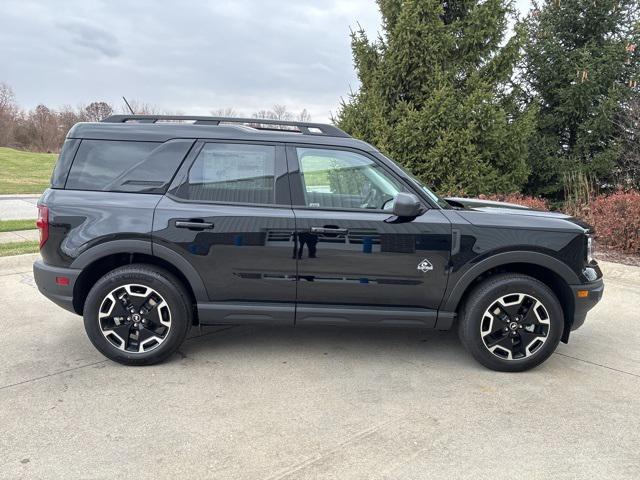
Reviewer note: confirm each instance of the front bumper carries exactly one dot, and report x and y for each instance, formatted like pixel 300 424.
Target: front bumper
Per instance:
pixel 584 303
pixel 46 279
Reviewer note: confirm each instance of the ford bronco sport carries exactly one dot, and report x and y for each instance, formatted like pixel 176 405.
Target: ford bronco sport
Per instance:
pixel 153 224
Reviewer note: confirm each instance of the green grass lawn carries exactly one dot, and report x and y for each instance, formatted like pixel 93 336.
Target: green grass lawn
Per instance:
pixel 18 248
pixel 17 225
pixel 25 172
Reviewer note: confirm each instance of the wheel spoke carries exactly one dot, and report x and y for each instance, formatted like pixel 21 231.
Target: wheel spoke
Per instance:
pixel 496 326
pixel 145 334
pixel 124 300
pixel 510 310
pixel 503 341
pixel 495 319
pixel 119 314
pixel 529 318
pixel 150 302
pixel 124 333
pixel 527 337
pixel 502 345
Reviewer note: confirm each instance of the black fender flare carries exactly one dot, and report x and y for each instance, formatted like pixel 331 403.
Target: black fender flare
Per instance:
pixel 111 247
pixel 147 248
pixel 188 270
pixel 450 303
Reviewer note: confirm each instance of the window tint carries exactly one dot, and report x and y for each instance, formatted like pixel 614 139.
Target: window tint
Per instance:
pixel 342 179
pixel 61 170
pixel 226 172
pixel 121 166
pixel 104 165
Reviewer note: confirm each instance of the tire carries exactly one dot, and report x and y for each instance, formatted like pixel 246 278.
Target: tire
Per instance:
pixel 161 306
pixel 511 322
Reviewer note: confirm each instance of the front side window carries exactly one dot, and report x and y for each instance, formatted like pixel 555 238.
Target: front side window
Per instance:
pixel 344 179
pixel 232 173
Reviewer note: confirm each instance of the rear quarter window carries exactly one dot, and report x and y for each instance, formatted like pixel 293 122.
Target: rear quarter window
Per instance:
pixel 126 166
pixel 61 170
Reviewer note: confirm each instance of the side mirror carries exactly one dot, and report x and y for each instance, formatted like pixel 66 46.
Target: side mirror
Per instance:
pixel 406 205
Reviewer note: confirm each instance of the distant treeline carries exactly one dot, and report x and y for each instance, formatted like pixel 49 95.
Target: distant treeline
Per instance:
pixel 43 128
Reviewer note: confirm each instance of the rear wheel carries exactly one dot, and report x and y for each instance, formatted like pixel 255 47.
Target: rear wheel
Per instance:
pixel 137 314
pixel 511 322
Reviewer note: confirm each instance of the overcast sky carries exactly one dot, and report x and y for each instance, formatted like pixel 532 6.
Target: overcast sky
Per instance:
pixel 188 56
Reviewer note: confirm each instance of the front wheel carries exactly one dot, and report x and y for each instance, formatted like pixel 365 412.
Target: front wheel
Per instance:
pixel 137 314
pixel 511 322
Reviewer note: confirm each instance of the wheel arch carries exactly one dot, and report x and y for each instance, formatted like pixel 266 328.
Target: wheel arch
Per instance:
pixel 553 273
pixel 99 260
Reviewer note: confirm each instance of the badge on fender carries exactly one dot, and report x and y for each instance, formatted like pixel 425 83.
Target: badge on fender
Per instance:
pixel 425 266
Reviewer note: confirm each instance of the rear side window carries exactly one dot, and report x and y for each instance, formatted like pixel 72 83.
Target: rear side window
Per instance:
pixel 61 170
pixel 123 166
pixel 233 173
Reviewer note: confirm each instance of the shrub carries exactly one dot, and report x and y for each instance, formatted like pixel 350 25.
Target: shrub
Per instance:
pixel 616 220
pixel 519 199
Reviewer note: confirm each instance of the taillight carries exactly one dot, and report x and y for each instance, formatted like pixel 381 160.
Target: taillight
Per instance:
pixel 43 224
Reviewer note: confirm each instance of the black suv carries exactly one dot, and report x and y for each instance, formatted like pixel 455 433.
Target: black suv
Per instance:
pixel 153 224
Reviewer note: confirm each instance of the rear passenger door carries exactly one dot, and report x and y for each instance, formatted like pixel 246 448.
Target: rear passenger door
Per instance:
pixel 228 213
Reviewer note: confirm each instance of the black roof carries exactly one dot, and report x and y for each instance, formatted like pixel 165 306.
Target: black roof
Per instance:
pixel 158 128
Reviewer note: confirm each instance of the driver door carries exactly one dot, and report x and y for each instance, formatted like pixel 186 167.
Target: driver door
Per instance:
pixel 352 264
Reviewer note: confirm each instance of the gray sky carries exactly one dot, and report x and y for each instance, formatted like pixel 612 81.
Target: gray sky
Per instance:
pixel 191 56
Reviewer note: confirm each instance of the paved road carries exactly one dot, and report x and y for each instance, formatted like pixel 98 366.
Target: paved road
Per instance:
pixel 338 403
pixel 18 207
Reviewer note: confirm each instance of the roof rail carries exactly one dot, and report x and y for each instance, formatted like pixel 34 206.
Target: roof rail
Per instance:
pixel 305 128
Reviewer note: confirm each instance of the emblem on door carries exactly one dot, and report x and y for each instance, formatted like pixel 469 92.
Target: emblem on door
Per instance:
pixel 425 266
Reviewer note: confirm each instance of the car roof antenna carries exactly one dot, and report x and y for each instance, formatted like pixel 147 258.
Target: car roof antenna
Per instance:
pixel 127 103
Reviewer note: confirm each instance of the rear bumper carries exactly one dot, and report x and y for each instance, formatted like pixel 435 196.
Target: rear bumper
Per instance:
pixel 45 277
pixel 584 304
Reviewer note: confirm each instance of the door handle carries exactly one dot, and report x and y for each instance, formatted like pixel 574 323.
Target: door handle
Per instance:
pixel 329 230
pixel 194 225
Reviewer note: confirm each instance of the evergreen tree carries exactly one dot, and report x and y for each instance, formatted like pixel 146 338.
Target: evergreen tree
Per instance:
pixel 435 94
pixel 581 67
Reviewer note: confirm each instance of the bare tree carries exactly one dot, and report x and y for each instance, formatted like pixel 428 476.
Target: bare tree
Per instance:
pixel 67 118
pixel 225 112
pixel 97 111
pixel 277 112
pixel 8 114
pixel 44 129
pixel 38 130
pixel 140 108
pixel 304 116
pixel 280 112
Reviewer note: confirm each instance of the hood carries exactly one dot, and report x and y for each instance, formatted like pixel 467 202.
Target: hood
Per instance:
pixel 492 213
pixel 479 203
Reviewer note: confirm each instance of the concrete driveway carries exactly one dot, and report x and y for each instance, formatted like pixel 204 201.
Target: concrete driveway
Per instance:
pixel 336 403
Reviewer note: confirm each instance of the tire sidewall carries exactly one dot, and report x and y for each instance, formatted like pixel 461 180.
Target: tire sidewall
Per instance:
pixel 484 296
pixel 172 294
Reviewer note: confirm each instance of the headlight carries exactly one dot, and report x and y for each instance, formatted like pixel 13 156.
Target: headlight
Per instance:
pixel 589 249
